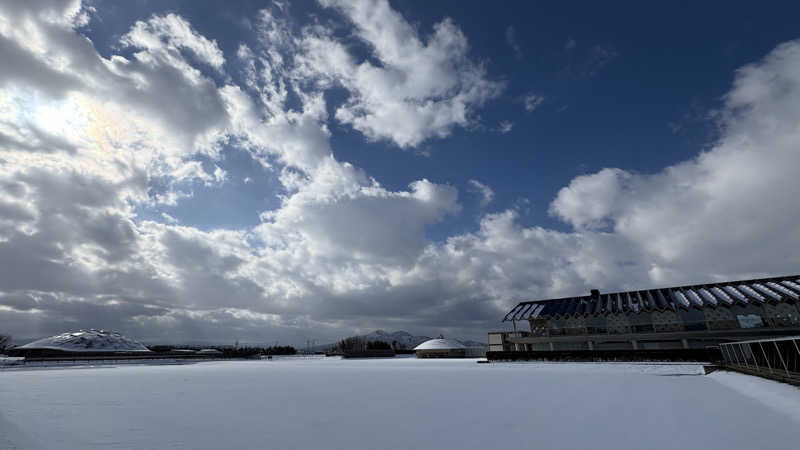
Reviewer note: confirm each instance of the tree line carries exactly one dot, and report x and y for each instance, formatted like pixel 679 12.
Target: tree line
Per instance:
pixel 359 344
pixel 5 342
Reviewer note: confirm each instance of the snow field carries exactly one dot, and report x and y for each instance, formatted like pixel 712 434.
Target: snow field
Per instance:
pixel 401 403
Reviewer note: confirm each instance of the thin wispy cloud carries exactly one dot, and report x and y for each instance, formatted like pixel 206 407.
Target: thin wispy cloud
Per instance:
pixel 512 42
pixel 586 61
pixel 486 193
pixel 532 101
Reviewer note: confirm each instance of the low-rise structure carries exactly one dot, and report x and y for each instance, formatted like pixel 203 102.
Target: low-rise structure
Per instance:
pixel 93 342
pixel 441 348
pixel 682 317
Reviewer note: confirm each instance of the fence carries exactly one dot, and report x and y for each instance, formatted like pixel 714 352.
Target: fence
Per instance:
pixel 695 355
pixel 91 360
pixel 776 358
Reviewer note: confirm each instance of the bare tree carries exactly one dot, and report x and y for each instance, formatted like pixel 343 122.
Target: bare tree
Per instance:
pixel 5 342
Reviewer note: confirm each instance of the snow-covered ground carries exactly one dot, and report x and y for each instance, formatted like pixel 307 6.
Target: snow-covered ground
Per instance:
pixel 10 361
pixel 401 403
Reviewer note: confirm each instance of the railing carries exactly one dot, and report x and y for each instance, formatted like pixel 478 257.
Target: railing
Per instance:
pixel 777 358
pixel 694 354
pixel 80 360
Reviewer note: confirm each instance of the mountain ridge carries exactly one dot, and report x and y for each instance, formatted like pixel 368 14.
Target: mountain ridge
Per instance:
pixel 401 338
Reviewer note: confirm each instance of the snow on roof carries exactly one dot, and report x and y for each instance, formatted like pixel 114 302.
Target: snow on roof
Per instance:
pixel 439 344
pixel 88 341
pixel 726 294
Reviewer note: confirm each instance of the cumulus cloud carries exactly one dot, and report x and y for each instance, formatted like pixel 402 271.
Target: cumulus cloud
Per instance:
pixel 590 201
pixel 87 141
pixel 166 35
pixel 88 144
pixel 421 88
pixel 340 213
pixel 703 215
pixel 699 220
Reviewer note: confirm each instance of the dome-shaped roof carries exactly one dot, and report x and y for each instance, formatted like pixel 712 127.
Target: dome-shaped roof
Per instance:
pixel 88 341
pixel 440 344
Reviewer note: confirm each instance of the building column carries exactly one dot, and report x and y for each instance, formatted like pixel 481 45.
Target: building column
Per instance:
pixel 591 345
pixel 551 346
pixel 685 343
pixel 635 345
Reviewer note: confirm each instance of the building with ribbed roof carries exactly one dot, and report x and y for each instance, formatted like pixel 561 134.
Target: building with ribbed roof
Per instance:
pixel 683 317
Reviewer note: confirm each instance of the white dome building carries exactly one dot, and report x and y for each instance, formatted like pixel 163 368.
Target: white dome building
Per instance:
pixel 84 341
pixel 441 348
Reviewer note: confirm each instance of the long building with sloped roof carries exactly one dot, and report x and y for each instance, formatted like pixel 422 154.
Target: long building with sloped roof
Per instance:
pixel 683 317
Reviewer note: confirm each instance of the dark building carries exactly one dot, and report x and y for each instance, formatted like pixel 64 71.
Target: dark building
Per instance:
pixel 683 317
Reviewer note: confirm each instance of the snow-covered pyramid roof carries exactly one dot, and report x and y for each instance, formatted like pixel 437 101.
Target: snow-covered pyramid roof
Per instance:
pixel 439 344
pixel 88 341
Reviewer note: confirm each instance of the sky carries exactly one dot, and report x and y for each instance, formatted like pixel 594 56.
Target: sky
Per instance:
pixel 191 171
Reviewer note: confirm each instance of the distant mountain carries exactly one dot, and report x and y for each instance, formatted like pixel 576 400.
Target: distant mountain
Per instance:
pixel 403 339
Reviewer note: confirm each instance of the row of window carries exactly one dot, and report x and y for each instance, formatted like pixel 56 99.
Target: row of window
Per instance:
pixel 560 328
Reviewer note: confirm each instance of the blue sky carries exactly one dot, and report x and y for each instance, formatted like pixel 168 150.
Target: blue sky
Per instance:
pixel 266 170
pixel 626 85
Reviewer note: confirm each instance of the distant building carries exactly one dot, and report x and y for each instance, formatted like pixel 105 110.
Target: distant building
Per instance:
pixel 441 348
pixel 683 317
pixel 95 342
pixel 209 351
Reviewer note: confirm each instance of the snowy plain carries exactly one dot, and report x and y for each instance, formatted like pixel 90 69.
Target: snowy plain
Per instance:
pixel 401 403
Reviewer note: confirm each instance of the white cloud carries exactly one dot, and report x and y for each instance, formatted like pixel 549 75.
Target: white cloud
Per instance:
pixel 109 147
pixel 486 193
pixel 511 39
pixel 731 210
pixel 591 201
pixel 421 89
pixel 169 219
pixel 166 35
pixel 219 174
pixel 86 141
pixel 506 126
pixel 532 101
pixel 340 213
